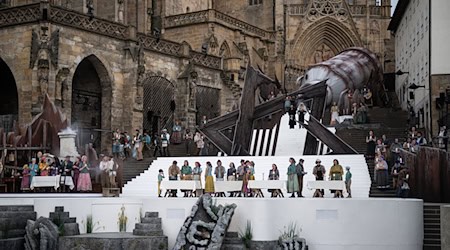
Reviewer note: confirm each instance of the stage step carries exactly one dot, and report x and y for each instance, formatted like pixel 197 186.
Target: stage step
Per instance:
pixel 150 225
pixel 432 226
pixel 13 220
pixel 232 241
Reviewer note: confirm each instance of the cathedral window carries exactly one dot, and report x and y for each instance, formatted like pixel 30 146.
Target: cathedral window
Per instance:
pixel 254 2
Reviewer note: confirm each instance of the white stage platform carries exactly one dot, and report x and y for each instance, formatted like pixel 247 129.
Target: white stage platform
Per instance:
pixel 326 224
pixel 145 185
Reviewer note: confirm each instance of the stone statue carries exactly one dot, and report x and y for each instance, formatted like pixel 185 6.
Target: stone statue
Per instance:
pixel 120 11
pixel 206 226
pixel 192 92
pixel 41 234
pixel 62 87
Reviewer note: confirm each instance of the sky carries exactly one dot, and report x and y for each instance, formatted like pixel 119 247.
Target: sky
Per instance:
pixel 393 3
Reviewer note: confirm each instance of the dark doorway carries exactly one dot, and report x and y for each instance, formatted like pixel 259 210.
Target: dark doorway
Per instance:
pixel 207 102
pixel 159 104
pixel 9 101
pixel 90 103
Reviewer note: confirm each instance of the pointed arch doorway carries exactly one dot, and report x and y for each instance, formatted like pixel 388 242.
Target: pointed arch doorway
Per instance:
pixel 9 100
pixel 91 104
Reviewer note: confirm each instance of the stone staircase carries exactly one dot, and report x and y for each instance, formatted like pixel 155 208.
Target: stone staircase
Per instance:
pixel 62 219
pixel 374 190
pixel 13 220
pixel 232 242
pixel 387 121
pixel 150 225
pixel 432 226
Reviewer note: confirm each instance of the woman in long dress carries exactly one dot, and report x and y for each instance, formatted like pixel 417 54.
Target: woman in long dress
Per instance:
pixel 176 133
pixel 336 173
pixel 292 183
pixel 76 171
pixel 334 114
pixel 84 180
pixel 370 140
pixel 186 175
pixel 209 181
pixel 197 173
pixel 25 185
pixel 43 167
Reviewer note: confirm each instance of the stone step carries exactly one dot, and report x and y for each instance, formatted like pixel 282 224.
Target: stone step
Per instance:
pixel 432 226
pixel 60 215
pixel 233 247
pixel 433 220
pixel 16 214
pixel 432 230
pixel 16 208
pixel 151 220
pixel 148 226
pixel 232 235
pixel 232 240
pixel 432 242
pixel 142 232
pixel 15 223
pixel 432 236
pixel 12 233
pixel 71 229
pixel 59 209
pixel 151 214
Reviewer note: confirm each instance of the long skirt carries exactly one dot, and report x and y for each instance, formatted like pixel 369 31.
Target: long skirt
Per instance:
pixel 292 183
pixel 231 178
pixel 371 148
pixel 382 178
pixel 176 137
pixel 25 185
pixel 84 182
pixel 334 116
pixel 209 184
pixel 198 185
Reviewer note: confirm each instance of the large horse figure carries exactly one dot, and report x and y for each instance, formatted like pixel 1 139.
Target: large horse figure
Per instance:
pixel 352 70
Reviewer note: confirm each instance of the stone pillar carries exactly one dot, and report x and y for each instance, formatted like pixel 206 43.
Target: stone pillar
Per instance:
pixel 445 227
pixel 67 145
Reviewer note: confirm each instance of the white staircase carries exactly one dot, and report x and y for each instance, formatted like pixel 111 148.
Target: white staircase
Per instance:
pixel 292 141
pixel 145 185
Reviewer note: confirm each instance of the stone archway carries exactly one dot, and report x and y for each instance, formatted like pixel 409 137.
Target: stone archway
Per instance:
pixel 326 33
pixel 9 100
pixel 159 104
pixel 91 103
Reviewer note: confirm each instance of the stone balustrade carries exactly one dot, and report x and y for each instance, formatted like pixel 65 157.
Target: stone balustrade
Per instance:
pixel 215 16
pixel 43 11
pixel 355 10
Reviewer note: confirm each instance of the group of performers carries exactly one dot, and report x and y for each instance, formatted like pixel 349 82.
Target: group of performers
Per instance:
pixel 50 165
pixel 246 172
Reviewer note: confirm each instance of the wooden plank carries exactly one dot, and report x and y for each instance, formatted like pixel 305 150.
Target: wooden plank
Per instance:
pixel 244 125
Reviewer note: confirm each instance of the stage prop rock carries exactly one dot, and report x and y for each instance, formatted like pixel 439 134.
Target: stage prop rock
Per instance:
pixel 41 234
pixel 206 226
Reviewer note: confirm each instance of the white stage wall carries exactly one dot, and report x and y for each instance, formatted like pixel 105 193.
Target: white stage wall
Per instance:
pixel 327 224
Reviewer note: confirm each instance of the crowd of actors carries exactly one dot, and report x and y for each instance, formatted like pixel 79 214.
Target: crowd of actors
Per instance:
pixel 49 165
pixel 246 172
pixel 355 106
pixel 388 162
pixel 140 144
